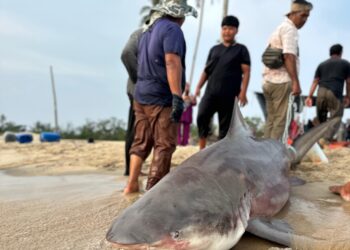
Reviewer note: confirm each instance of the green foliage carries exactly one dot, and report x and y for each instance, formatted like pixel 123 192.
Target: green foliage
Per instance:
pixel 40 127
pixel 194 131
pixel 256 125
pixel 108 129
pixel 9 126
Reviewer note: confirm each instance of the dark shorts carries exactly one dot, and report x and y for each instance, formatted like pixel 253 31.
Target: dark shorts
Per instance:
pixel 208 106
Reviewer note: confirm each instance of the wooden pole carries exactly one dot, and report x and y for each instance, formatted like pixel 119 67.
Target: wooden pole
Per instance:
pixel 54 99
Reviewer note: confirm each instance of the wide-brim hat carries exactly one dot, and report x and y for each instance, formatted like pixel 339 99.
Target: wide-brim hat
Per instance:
pixel 175 8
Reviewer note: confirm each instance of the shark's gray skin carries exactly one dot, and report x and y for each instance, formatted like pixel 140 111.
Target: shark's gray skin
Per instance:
pixel 213 197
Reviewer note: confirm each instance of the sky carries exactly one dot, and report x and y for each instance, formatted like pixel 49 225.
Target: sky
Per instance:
pixel 83 41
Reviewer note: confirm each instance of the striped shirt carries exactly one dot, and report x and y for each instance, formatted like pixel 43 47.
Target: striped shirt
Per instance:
pixel 284 37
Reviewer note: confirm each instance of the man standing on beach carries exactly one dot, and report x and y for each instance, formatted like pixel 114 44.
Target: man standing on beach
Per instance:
pixel 280 83
pixel 227 71
pixel 129 59
pixel 158 103
pixel 330 77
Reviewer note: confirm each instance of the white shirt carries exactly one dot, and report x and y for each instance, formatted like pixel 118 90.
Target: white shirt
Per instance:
pixel 285 37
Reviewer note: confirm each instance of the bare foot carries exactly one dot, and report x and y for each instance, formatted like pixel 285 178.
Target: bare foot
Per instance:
pixel 131 188
pixel 335 189
pixel 344 191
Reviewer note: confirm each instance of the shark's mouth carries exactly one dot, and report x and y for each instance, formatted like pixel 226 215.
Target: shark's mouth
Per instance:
pixel 166 243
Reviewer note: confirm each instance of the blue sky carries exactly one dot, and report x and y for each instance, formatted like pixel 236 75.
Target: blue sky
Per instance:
pixel 83 40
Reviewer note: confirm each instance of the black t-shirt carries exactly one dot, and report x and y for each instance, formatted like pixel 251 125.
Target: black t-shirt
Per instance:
pixel 332 73
pixel 224 69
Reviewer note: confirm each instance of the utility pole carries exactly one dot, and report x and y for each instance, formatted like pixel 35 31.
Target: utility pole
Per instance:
pixel 54 98
pixel 197 40
pixel 225 8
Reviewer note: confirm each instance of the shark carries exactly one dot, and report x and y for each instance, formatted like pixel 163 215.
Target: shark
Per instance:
pixel 235 185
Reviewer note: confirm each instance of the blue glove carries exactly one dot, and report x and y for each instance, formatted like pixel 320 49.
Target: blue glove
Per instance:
pixel 178 108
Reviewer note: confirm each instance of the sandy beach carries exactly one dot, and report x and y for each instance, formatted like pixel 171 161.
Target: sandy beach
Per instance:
pixel 65 195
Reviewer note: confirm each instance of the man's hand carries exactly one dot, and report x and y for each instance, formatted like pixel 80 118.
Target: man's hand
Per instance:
pixel 197 93
pixel 178 107
pixel 296 90
pixel 346 101
pixel 308 101
pixel 242 99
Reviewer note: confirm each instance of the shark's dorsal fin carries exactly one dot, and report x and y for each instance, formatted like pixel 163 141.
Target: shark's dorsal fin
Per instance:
pixel 238 127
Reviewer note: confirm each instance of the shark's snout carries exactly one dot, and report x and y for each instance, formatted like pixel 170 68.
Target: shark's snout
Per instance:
pixel 122 236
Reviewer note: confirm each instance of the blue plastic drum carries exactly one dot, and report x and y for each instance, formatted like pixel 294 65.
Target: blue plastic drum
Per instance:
pixel 50 137
pixel 24 138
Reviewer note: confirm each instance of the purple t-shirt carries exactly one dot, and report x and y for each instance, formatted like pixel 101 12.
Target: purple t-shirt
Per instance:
pixel 152 86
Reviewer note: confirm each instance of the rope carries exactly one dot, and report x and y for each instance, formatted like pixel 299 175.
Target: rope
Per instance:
pixel 288 120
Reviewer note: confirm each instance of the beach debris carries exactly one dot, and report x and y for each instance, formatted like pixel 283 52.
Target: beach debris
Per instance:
pixel 9 137
pixel 316 154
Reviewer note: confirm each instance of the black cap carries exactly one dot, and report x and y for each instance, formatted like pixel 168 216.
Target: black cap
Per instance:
pixel 230 21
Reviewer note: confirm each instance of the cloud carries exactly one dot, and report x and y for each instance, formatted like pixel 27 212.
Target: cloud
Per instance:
pixel 28 61
pixel 13 27
pixel 29 50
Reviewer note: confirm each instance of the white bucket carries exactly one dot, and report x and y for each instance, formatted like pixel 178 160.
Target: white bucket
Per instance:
pixel 316 154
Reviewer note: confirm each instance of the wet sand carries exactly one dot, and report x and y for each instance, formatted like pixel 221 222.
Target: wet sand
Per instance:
pixel 65 196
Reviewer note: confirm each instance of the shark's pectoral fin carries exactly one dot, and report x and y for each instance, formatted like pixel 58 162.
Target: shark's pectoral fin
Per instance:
pixel 273 230
pixel 296 181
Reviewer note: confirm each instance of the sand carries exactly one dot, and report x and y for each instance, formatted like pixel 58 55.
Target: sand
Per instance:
pixel 71 156
pixel 65 195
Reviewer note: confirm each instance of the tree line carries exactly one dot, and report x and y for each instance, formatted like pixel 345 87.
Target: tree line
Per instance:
pixel 107 129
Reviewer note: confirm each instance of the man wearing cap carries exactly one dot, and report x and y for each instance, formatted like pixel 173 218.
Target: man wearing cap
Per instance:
pixel 330 77
pixel 227 71
pixel 279 84
pixel 160 80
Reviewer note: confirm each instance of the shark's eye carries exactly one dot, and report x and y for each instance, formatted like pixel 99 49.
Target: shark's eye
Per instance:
pixel 175 235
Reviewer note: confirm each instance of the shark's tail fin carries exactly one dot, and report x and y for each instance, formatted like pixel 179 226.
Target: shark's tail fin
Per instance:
pixel 302 144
